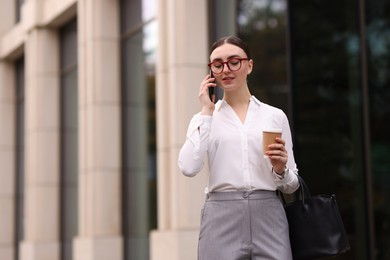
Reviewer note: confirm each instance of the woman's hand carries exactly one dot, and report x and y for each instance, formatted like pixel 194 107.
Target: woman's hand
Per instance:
pixel 204 99
pixel 278 155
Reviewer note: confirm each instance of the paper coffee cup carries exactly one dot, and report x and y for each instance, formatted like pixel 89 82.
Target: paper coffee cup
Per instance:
pixel 269 136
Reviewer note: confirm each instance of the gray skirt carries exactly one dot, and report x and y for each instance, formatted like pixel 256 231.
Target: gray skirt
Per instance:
pixel 243 225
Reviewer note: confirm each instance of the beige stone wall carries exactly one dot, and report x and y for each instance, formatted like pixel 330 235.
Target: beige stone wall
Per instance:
pixel 182 58
pixel 99 99
pixel 7 135
pixel 7 163
pixel 182 55
pixel 42 150
pixel 36 38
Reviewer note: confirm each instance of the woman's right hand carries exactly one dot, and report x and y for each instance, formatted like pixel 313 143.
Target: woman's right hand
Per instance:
pixel 207 105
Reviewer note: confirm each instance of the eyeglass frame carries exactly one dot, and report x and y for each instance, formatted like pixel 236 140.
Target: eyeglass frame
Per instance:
pixel 227 64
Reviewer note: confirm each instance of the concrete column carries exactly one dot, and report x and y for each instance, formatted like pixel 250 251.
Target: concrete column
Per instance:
pixel 182 64
pixel 7 160
pixel 100 165
pixel 7 141
pixel 7 14
pixel 42 150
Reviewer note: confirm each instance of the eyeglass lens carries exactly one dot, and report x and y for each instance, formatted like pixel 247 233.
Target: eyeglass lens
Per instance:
pixel 233 65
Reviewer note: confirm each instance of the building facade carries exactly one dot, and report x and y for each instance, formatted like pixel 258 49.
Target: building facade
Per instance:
pixel 96 96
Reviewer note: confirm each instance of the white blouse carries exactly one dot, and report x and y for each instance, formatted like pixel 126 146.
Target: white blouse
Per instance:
pixel 235 150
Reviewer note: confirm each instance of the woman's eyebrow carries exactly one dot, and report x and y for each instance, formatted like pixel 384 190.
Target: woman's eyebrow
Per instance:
pixel 231 56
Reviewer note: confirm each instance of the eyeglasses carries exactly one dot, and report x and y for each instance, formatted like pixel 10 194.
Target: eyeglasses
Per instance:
pixel 233 64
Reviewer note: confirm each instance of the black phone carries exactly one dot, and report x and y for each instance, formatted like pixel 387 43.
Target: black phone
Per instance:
pixel 212 89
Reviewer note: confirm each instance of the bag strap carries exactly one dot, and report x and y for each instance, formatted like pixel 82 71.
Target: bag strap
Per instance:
pixel 304 189
pixel 302 193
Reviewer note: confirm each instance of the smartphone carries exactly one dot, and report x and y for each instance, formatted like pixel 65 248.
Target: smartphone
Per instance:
pixel 212 90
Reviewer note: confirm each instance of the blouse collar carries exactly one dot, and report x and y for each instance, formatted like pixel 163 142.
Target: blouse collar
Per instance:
pixel 220 103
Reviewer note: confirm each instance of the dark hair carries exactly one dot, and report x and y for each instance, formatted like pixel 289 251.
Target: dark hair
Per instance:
pixel 234 40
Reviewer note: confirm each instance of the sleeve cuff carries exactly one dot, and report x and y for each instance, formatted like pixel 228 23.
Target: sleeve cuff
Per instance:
pixel 282 178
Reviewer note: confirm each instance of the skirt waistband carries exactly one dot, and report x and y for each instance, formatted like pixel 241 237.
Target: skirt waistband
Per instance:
pixel 239 195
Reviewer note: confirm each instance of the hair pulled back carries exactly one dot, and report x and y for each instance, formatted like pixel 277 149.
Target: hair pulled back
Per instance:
pixel 234 40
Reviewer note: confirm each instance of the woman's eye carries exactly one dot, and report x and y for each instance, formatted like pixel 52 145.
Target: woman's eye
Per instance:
pixel 234 62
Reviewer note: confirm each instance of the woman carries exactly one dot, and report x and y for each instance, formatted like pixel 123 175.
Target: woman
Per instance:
pixel 242 217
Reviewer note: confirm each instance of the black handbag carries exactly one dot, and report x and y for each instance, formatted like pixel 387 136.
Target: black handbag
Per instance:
pixel 315 225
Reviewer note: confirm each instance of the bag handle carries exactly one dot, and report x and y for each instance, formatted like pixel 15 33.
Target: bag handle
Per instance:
pixel 302 192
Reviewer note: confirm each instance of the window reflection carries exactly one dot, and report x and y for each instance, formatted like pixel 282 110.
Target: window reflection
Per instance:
pixel 69 138
pixel 150 46
pixel 18 9
pixel 262 24
pixel 135 13
pixel 19 152
pixel 149 9
pixel 378 48
pixel 326 78
pixel 326 81
pixel 139 46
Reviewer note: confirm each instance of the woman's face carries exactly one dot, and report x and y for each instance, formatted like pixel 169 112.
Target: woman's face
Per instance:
pixel 227 79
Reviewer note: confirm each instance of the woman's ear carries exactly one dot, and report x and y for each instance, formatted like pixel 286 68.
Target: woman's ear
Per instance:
pixel 250 67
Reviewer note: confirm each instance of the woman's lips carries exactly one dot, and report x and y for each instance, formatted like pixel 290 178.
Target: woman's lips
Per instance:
pixel 225 79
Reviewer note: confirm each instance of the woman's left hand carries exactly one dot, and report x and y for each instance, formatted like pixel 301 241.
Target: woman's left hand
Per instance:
pixel 278 155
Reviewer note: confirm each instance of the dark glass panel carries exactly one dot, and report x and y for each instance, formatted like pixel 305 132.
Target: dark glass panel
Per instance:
pixel 18 9
pixel 19 162
pixel 136 12
pixel 139 152
pixel 222 22
pixel 262 24
pixel 69 138
pixel 328 121
pixel 139 201
pixel 69 142
pixel 68 48
pixel 378 55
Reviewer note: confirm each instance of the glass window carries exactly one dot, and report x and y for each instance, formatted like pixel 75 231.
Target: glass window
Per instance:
pixel 222 23
pixel 221 19
pixel 378 57
pixel 18 9
pixel 19 166
pixel 327 102
pixel 263 25
pixel 139 43
pixel 69 138
pixel 316 48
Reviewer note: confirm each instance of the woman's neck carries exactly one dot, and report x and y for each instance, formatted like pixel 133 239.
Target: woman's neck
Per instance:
pixel 239 101
pixel 239 97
